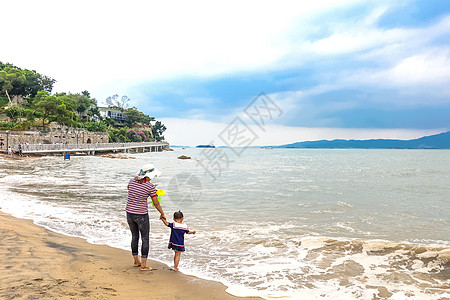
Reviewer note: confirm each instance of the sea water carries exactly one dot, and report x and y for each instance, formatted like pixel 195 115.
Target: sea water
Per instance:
pixel 293 223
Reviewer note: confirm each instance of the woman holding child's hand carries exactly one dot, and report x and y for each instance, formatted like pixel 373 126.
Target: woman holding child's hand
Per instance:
pixel 139 189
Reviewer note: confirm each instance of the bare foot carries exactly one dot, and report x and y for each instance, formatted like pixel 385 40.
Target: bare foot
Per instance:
pixel 175 269
pixel 137 261
pixel 145 269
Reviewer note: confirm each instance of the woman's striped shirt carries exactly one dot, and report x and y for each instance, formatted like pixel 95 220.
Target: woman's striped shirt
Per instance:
pixel 138 194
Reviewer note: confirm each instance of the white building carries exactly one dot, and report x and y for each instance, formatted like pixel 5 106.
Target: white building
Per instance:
pixel 111 113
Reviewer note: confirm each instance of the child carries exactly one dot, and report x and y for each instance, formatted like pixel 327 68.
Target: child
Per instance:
pixel 178 229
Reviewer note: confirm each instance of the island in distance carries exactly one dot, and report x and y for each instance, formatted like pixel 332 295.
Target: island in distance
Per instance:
pixel 437 141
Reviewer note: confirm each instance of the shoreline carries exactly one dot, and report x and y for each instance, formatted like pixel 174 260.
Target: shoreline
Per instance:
pixel 39 263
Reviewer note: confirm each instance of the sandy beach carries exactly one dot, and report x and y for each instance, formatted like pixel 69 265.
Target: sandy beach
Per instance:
pixel 36 263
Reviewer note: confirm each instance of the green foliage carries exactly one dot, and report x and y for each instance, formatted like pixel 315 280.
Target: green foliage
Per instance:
pixel 35 82
pixel 55 108
pixel 96 126
pixel 14 112
pixel 11 81
pixel 125 134
pixel 93 110
pixel 158 130
pixel 111 136
pixel 15 81
pixel 29 114
pixel 119 135
pixel 45 105
pixel 3 100
pixel 79 102
pixel 34 102
pixel 109 122
pixel 64 115
pixel 7 125
pixel 136 117
pixel 139 136
pixel 25 125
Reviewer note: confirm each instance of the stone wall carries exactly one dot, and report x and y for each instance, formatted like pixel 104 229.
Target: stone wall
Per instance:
pixel 70 136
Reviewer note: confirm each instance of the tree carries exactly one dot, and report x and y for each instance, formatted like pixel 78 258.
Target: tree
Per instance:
pixel 119 136
pixel 35 82
pixel 94 111
pixel 17 82
pixel 14 112
pixel 96 126
pixel 157 130
pixel 77 102
pixel 121 103
pixel 64 115
pixel 29 114
pixel 55 108
pixel 45 105
pixel 10 78
pixel 111 100
pixel 134 117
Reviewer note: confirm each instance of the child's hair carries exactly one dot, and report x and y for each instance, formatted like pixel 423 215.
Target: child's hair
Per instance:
pixel 177 215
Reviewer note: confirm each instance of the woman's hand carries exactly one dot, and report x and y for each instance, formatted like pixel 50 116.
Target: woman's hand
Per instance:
pixel 162 217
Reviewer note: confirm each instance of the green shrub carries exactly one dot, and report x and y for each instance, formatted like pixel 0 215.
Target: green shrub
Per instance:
pixel 95 126
pixel 3 100
pixel 7 125
pixel 25 125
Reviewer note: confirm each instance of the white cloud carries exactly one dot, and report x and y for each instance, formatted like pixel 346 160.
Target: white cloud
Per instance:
pixel 427 69
pixel 366 42
pixel 423 74
pixel 410 61
pixel 189 132
pixel 406 60
pixel 353 40
pixel 108 45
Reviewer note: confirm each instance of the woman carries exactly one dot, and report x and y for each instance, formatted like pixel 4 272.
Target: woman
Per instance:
pixel 139 189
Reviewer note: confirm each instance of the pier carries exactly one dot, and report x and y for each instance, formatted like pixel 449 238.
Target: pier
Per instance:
pixel 91 149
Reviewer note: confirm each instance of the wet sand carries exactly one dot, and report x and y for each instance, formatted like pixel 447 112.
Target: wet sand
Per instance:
pixel 36 263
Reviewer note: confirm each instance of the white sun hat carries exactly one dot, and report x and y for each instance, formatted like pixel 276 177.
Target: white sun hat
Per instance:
pixel 149 171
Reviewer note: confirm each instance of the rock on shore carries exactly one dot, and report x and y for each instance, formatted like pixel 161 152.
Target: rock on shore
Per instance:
pixel 184 157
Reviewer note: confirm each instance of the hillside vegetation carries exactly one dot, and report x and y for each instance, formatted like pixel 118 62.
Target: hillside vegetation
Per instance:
pixel 27 102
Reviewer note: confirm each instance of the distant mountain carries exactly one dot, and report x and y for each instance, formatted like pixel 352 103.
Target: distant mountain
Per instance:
pixel 438 141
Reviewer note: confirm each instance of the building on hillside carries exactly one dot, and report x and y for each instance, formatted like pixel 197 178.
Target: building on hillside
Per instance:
pixel 111 113
pixel 85 116
pixel 89 117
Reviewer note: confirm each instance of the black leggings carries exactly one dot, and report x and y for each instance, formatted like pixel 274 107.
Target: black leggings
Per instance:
pixel 139 224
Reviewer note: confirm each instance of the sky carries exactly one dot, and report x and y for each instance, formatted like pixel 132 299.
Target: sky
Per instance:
pixel 308 70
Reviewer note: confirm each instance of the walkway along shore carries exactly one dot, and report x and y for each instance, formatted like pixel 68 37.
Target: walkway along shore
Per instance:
pixel 91 149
